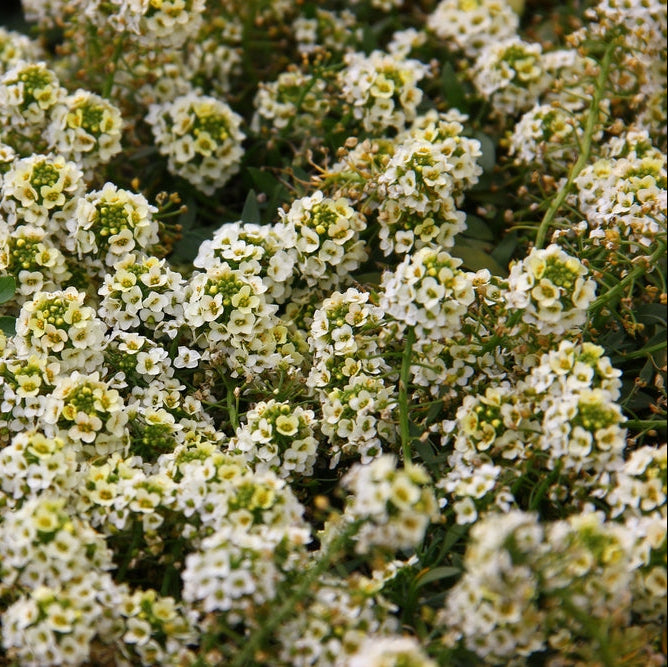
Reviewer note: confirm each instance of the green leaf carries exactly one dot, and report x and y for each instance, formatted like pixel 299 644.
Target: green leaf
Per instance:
pixel 143 152
pixel 369 279
pixel 437 573
pixel 477 228
pixel 647 372
pixel 639 401
pixel 613 342
pixel 650 313
pixel 251 211
pixel 264 181
pixel 187 219
pixel 452 537
pixel 7 288
pixel 505 249
pixel 488 158
pixel 8 325
pixel 301 176
pixel 188 246
pixel 425 451
pixel 476 257
pixel 453 91
pixel 279 195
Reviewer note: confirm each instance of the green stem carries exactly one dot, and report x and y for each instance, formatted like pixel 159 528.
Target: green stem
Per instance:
pixel 246 655
pixel 638 271
pixel 644 352
pixel 137 532
pixel 404 422
pixel 171 572
pixel 232 407
pixel 594 628
pixel 499 339
pixel 174 347
pixel 539 492
pixel 646 424
pixel 583 158
pixel 109 80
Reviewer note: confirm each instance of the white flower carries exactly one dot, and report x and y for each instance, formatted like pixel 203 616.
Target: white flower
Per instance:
pixel 176 126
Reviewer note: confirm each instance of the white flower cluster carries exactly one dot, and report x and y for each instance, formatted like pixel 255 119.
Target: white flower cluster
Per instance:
pixel 382 89
pixel 265 251
pixel 227 311
pixel 359 166
pixel 330 29
pixel 33 461
pixel 215 56
pixel 166 76
pixel 233 573
pixel 219 490
pixel 24 385
pixel 546 134
pixel 58 325
pixel 345 338
pixel 563 417
pixel 27 253
pixel 569 88
pixel 445 131
pixel 28 93
pixel 44 544
pixel 206 63
pixel 142 291
pixel 640 486
pixel 414 183
pixel 326 236
pixel 56 565
pixel 60 621
pixel 472 487
pixel 450 366
pixel 278 437
pixel 385 651
pixel 530 586
pixel 85 128
pixel 152 23
pixel 108 224
pixel 117 494
pixel 347 341
pixel 511 74
pixel 152 628
pixel 639 29
pixel 357 418
pixel 335 625
pixel 428 291
pixel 16 47
pixel 642 23
pixel 395 504
pixel 624 199
pixel 551 290
pixel 138 359
pixel 296 101
pixel 471 26
pixel 566 407
pixel 423 183
pixel 86 410
pixel 201 138
pixel 41 190
pixel 247 516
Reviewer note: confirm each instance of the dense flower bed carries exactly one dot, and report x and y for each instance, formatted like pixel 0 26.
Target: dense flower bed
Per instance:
pixel 334 333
